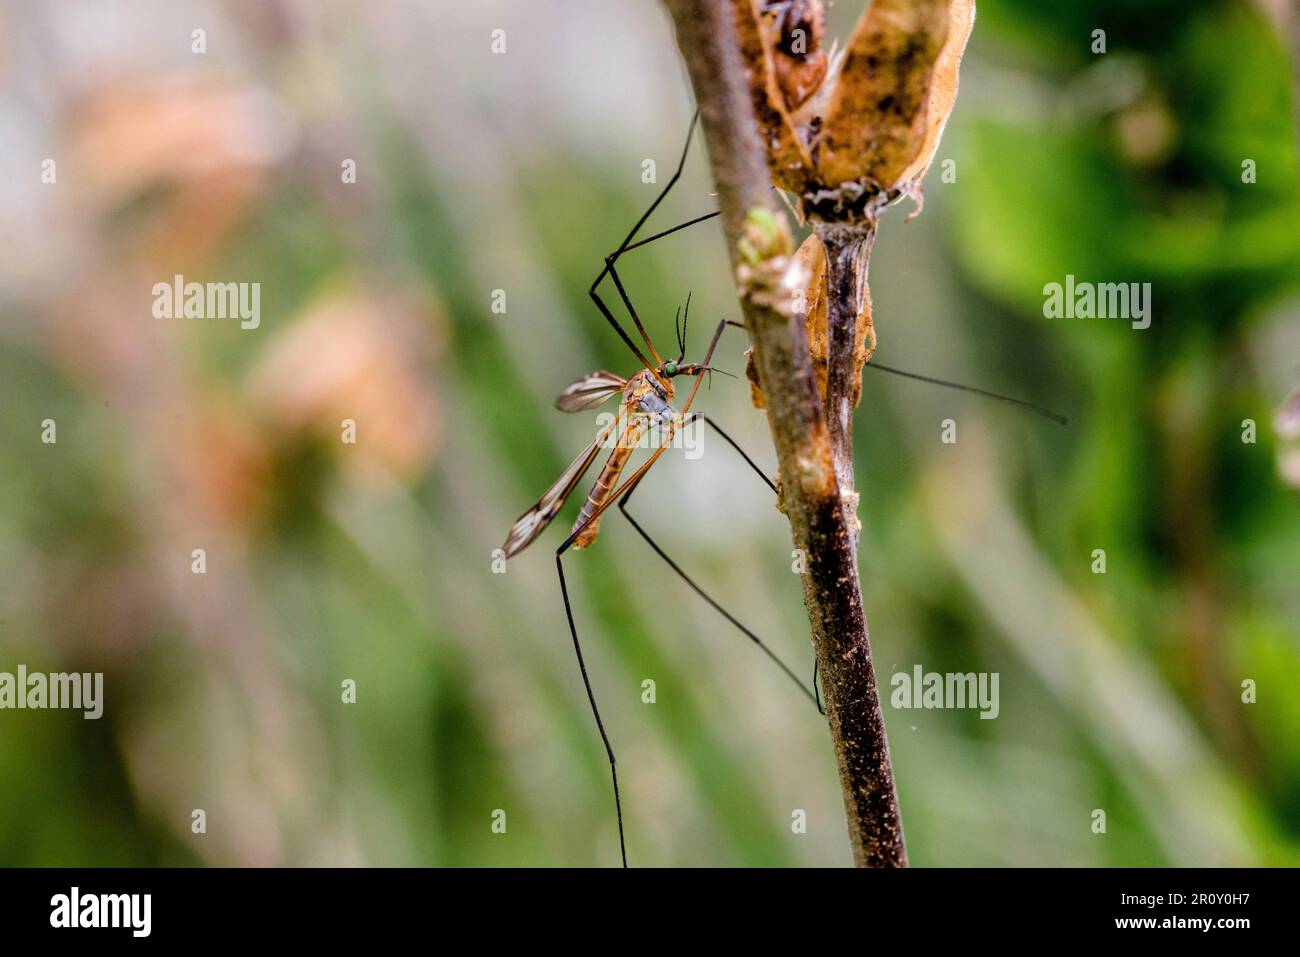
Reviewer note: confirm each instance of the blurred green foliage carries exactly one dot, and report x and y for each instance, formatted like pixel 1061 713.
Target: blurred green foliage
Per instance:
pixel 224 690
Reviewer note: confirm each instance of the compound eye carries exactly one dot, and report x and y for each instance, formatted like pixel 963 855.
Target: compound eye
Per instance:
pixel 670 369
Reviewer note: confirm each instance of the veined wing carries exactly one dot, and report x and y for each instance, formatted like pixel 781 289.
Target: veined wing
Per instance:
pixel 534 521
pixel 589 391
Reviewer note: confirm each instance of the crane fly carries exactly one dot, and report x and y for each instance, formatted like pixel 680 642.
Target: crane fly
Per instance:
pixel 646 407
pixel 647 397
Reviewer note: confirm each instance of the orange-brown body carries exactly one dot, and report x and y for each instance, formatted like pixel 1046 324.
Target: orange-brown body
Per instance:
pixel 645 403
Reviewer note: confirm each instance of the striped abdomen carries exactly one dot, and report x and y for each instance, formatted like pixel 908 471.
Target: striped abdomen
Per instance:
pixel 606 482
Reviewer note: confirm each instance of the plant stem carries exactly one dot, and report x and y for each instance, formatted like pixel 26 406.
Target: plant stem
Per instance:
pixel 848 250
pixel 810 490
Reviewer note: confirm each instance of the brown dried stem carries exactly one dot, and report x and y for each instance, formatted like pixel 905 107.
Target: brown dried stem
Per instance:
pixel 848 253
pixel 767 273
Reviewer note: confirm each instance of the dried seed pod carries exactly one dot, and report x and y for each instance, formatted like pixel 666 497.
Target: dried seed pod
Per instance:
pixel 943 88
pixel 877 125
pixel 795 30
pixel 848 145
pixel 787 156
pixel 813 255
pixel 884 110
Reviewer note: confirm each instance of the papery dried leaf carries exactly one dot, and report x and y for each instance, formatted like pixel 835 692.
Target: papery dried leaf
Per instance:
pixel 787 157
pixel 943 86
pixel 799 78
pixel 814 307
pixel 864 345
pixel 813 255
pixel 876 125
pixel 797 27
pixel 756 395
pixel 795 30
pixel 809 300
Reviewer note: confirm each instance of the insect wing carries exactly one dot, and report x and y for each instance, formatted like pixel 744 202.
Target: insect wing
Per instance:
pixel 534 521
pixel 589 391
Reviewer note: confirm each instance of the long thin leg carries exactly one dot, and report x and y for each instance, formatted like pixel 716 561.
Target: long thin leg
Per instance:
pixel 817 700
pixel 622 505
pixel 620 494
pixel 931 380
pixel 573 628
pixel 741 452
pixel 591 696
pixel 668 232
pixel 627 244
pixel 1045 413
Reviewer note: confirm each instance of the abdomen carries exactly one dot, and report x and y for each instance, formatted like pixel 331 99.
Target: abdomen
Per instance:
pixel 606 482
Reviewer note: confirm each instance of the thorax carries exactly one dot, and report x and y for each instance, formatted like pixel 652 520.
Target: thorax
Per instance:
pixel 644 395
